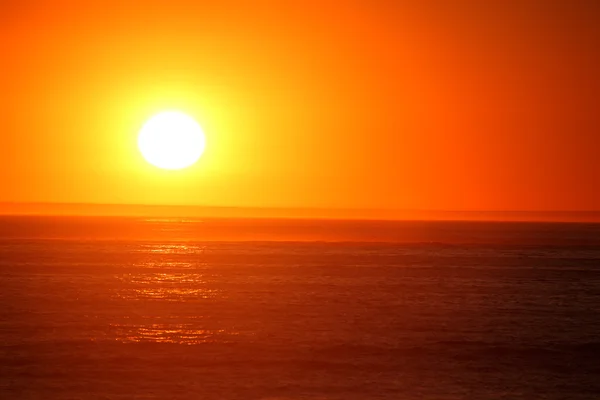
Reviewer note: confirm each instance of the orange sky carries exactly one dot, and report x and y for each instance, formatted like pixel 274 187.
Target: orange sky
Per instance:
pixel 380 104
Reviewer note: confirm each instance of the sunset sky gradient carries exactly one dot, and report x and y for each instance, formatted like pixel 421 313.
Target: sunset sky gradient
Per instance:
pixel 428 105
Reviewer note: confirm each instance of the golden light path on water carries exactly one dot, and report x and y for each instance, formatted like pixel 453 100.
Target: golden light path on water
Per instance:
pixel 169 333
pixel 170 292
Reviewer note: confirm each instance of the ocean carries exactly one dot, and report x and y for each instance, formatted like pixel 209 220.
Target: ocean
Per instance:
pixel 133 308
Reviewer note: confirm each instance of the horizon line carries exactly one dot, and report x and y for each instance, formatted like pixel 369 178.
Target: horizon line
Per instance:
pixel 210 211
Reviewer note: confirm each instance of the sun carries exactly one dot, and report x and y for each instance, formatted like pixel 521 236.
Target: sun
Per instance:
pixel 171 140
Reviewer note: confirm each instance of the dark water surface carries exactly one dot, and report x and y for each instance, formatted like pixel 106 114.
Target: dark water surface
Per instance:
pixel 97 308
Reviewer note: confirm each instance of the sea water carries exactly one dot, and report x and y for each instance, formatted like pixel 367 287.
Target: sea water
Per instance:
pixel 130 308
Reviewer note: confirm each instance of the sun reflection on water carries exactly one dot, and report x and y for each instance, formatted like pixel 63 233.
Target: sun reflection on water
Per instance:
pixel 169 333
pixel 166 286
pixel 168 294
pixel 165 293
pixel 169 265
pixel 171 248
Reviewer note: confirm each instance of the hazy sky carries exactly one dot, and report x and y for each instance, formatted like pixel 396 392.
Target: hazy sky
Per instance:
pixel 460 105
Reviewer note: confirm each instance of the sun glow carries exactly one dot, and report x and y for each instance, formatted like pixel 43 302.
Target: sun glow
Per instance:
pixel 171 140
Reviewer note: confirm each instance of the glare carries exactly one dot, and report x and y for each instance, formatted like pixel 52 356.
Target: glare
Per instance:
pixel 171 140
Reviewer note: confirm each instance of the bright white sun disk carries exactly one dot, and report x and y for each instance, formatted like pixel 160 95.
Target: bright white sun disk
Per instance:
pixel 171 140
